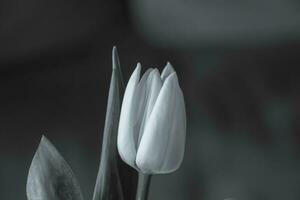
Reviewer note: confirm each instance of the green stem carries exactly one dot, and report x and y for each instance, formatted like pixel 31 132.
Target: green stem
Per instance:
pixel 143 186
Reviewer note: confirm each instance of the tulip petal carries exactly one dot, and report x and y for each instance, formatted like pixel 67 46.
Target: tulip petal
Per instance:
pixel 50 177
pixel 127 133
pixel 162 146
pixel 168 70
pixel 142 96
pixel 152 90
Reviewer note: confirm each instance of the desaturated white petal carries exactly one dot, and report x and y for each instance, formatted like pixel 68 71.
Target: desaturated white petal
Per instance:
pixel 175 151
pixel 152 89
pixel 127 135
pixel 168 70
pixel 141 90
pixel 162 146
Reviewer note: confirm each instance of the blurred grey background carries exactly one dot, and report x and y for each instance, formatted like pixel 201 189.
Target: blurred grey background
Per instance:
pixel 237 63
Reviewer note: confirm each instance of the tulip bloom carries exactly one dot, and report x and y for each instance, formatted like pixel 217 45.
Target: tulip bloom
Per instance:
pixel 152 126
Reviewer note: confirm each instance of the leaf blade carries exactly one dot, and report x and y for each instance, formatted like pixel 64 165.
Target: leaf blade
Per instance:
pixel 108 185
pixel 50 177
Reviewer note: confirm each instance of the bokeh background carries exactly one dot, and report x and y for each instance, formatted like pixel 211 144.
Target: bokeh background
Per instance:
pixel 238 65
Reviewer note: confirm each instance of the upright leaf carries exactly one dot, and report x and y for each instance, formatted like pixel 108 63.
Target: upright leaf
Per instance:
pixel 115 180
pixel 108 184
pixel 50 177
pixel 128 175
pixel 116 66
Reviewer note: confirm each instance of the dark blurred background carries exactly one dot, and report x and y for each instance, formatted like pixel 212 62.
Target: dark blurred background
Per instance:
pixel 237 62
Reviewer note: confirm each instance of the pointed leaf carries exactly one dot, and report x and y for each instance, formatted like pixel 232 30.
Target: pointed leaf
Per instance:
pixel 127 174
pixel 108 185
pixel 114 174
pixel 116 65
pixel 50 177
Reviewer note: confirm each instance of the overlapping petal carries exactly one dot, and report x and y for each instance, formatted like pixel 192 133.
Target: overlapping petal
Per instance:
pixel 162 145
pixel 127 135
pixel 168 70
pixel 152 90
pixel 142 100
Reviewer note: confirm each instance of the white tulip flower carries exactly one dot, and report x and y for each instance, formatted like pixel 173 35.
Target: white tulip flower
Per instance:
pixel 152 126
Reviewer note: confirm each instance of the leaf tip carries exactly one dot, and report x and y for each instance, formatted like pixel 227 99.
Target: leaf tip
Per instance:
pixel 115 58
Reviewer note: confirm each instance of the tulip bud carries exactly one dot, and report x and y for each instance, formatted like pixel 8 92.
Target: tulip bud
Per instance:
pixel 152 126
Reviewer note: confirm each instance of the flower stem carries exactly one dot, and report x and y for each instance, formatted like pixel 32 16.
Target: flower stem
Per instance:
pixel 143 186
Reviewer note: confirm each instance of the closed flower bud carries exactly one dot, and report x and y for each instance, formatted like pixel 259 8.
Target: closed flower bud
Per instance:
pixel 152 126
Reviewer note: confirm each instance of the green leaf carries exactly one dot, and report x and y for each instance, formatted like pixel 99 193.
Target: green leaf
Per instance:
pixel 115 180
pixel 108 184
pixel 128 175
pixel 116 66
pixel 50 177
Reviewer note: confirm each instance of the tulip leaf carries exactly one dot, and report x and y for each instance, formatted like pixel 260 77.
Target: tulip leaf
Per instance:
pixel 50 177
pixel 116 66
pixel 128 175
pixel 115 180
pixel 108 184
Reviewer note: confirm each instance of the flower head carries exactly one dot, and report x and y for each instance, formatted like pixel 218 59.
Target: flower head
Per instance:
pixel 152 127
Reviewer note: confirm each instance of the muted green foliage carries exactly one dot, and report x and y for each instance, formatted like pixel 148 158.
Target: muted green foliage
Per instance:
pixel 50 177
pixel 108 185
